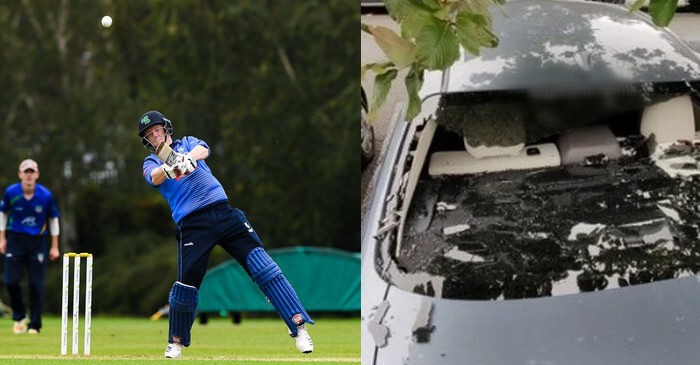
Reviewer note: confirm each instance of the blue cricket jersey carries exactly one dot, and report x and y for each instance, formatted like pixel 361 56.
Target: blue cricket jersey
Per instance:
pixel 28 216
pixel 191 192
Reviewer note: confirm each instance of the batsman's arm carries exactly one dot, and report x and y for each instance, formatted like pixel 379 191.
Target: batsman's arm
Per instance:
pixel 158 175
pixel 199 153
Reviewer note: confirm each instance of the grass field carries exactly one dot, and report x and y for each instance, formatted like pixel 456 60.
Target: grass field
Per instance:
pixel 137 340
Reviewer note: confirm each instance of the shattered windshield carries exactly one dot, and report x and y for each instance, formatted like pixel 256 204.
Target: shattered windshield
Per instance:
pixel 591 220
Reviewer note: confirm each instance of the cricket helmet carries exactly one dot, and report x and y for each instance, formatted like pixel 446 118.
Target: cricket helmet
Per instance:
pixel 152 118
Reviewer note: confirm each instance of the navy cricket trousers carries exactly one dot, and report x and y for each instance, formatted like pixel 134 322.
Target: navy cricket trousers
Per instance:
pixel 28 251
pixel 198 233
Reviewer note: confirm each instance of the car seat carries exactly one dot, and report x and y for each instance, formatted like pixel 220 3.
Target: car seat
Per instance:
pixel 462 162
pixel 669 121
pixel 578 144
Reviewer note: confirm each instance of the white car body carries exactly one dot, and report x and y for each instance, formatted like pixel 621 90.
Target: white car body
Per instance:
pixel 407 318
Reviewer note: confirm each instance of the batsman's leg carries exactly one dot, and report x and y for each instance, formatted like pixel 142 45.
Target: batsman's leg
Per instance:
pixel 183 311
pixel 278 290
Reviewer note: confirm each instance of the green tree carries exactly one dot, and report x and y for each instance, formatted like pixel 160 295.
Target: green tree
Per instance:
pixel 267 84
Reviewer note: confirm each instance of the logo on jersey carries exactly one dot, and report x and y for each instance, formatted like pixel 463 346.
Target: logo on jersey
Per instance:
pixel 297 319
pixel 145 120
pixel 189 244
pixel 38 209
pixel 247 225
pixel 29 221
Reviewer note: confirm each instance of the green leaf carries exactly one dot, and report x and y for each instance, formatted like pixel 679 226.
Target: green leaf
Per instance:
pixel 409 15
pixel 429 5
pixel 401 8
pixel 486 37
pixel 400 51
pixel 468 41
pixel 637 5
pixel 412 25
pixel 444 13
pixel 474 6
pixel 382 85
pixel 662 11
pixel 414 82
pixel 437 47
pixel 473 32
pixel 377 68
pixel 476 19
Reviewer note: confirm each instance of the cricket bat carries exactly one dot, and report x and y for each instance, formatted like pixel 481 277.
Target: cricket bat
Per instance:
pixel 166 154
pixel 169 157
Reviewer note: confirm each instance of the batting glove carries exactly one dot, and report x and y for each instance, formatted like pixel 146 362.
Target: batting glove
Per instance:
pixel 170 171
pixel 188 164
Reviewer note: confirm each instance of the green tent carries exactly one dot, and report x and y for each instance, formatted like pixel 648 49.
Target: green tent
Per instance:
pixel 325 279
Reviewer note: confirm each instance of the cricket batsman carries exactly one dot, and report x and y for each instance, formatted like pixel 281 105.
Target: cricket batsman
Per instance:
pixel 204 218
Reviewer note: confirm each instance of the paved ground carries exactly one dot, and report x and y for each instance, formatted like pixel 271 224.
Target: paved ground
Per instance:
pixel 687 26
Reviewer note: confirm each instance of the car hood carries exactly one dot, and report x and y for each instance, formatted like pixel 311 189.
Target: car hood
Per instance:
pixel 564 43
pixel 648 324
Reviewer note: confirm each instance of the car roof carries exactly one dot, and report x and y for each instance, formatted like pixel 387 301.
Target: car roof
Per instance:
pixel 564 43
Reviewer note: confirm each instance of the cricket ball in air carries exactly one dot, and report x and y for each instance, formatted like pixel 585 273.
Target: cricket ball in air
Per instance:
pixel 106 21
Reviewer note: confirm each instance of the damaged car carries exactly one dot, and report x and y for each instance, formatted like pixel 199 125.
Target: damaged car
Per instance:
pixel 544 207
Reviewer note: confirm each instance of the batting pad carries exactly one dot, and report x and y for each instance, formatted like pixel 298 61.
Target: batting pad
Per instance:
pixel 278 290
pixel 183 311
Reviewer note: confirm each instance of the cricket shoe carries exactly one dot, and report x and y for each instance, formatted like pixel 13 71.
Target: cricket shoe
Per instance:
pixel 303 340
pixel 20 326
pixel 33 331
pixel 173 351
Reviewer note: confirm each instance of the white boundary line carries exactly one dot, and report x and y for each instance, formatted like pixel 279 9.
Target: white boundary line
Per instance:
pixel 188 358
